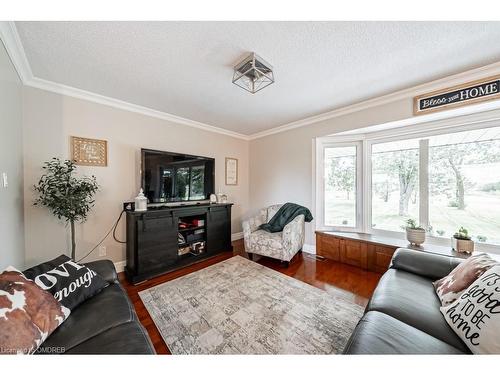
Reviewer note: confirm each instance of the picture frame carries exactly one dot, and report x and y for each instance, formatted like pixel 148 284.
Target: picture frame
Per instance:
pixel 231 171
pixel 89 152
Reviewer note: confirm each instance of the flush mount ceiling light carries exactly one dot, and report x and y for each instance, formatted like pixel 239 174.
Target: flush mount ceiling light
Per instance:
pixel 253 73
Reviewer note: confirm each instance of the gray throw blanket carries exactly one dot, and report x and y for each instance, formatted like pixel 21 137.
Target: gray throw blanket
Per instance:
pixel 286 214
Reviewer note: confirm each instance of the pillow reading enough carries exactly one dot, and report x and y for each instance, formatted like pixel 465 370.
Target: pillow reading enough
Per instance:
pixel 71 283
pixel 475 316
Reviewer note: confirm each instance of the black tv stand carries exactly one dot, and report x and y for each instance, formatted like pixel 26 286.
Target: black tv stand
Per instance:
pixel 166 238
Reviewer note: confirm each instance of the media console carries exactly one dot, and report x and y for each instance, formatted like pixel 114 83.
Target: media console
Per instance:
pixel 167 238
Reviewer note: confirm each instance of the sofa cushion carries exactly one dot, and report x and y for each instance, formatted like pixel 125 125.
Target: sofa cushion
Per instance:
pixel 411 299
pixel 378 333
pixel 104 311
pixel 128 338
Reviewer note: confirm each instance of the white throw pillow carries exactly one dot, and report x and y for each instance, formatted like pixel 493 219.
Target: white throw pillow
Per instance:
pixel 475 315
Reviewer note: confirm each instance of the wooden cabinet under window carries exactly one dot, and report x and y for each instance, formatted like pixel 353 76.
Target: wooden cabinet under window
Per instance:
pixel 366 251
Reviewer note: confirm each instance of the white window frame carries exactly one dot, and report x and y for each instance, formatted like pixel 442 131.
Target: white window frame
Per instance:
pixel 320 170
pixel 364 176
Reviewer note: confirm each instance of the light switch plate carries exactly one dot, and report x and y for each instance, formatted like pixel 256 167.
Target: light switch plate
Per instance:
pixel 5 181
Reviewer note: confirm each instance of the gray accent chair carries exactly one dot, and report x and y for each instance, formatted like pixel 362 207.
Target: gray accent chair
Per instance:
pixel 281 245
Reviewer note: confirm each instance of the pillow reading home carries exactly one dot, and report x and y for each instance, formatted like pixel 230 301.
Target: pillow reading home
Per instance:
pixel 475 315
pixel 71 283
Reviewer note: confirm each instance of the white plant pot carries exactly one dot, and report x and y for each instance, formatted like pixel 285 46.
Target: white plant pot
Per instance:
pixel 415 236
pixel 462 246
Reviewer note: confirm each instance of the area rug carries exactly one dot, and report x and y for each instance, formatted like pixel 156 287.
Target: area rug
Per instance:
pixel 241 307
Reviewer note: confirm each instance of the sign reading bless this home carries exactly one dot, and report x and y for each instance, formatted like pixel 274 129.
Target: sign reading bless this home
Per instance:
pixel 468 93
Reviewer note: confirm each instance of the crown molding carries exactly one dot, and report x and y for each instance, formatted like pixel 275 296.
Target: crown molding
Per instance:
pixel 9 35
pixel 14 47
pixel 120 104
pixel 470 75
pixel 12 42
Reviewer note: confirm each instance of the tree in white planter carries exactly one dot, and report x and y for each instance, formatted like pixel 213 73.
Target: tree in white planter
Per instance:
pixel 68 197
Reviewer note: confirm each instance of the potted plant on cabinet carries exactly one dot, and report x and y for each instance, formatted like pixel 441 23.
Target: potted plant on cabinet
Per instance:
pixel 415 234
pixel 462 242
pixel 67 196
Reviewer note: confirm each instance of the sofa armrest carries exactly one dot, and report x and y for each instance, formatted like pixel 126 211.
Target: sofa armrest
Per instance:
pixel 105 269
pixel 433 266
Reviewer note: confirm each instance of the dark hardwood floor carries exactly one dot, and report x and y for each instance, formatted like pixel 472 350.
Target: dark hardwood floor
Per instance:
pixel 324 274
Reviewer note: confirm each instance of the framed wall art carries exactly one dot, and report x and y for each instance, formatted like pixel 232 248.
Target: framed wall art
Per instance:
pixel 87 151
pixel 231 171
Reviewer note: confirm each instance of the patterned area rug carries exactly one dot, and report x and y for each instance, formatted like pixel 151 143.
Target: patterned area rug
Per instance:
pixel 240 307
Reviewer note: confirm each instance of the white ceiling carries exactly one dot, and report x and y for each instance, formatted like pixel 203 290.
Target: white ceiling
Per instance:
pixel 185 68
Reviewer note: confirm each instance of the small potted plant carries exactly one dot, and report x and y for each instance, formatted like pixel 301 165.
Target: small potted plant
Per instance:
pixel 462 242
pixel 415 234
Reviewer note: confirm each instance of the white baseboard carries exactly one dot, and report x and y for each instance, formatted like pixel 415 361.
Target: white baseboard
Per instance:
pixel 120 266
pixel 310 249
pixel 236 236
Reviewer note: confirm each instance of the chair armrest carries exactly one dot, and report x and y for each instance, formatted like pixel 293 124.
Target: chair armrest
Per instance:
pixel 252 224
pixel 293 232
pixel 105 269
pixel 433 266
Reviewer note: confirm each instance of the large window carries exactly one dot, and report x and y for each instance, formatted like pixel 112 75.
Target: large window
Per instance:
pixel 442 179
pixel 464 184
pixel 340 186
pixel 395 176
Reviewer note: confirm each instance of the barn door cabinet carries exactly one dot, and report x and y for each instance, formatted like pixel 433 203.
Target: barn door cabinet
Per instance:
pixel 153 245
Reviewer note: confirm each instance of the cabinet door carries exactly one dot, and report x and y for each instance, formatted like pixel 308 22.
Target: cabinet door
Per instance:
pixel 379 257
pixel 354 253
pixel 157 242
pixel 328 246
pixel 218 229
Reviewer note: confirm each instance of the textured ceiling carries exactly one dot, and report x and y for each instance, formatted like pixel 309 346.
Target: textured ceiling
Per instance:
pixel 185 68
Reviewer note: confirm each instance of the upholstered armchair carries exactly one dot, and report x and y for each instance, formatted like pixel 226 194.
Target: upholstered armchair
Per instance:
pixel 280 245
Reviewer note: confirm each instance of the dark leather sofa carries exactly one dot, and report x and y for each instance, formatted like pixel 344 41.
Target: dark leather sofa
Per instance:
pixel 104 324
pixel 403 314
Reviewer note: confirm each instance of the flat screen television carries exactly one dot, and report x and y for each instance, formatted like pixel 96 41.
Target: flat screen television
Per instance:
pixel 168 177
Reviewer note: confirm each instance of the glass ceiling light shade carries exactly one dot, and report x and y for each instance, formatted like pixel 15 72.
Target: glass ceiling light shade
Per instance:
pixel 253 73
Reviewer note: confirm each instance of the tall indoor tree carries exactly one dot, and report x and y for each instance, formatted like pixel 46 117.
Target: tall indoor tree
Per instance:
pixel 67 196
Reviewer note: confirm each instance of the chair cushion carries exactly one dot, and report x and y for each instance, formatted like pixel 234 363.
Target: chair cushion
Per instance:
pixel 378 333
pixel 267 244
pixel 128 338
pixel 411 299
pixel 106 310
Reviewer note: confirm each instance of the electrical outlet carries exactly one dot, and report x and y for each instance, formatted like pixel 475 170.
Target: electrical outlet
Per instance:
pixel 128 206
pixel 102 251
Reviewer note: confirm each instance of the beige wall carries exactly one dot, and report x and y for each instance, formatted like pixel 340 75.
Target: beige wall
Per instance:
pixel 281 165
pixel 50 119
pixel 11 163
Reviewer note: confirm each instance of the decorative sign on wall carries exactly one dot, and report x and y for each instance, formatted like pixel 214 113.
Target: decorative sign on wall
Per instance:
pixel 86 151
pixel 457 96
pixel 231 171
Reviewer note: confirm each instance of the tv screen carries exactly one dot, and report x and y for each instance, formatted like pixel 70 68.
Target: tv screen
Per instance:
pixel 170 177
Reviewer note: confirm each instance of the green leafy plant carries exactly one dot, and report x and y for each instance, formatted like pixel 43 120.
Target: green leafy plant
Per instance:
pixel 68 197
pixel 412 224
pixel 462 234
